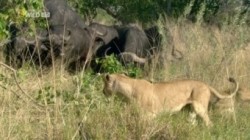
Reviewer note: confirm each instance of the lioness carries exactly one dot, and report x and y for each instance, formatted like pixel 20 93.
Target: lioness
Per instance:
pixel 165 96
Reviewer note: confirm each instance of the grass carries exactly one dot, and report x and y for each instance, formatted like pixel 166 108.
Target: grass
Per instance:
pixel 64 106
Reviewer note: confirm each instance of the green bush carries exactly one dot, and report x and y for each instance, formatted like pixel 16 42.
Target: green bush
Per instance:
pixel 110 64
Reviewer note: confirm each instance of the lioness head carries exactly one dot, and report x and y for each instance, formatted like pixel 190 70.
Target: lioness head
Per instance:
pixel 116 84
pixel 108 84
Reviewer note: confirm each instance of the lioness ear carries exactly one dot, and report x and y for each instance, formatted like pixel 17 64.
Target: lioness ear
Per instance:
pixel 107 77
pixel 124 74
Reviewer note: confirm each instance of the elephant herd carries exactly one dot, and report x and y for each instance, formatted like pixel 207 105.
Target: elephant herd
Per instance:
pixel 78 44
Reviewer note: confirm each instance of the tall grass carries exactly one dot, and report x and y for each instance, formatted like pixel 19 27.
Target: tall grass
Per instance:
pixel 73 106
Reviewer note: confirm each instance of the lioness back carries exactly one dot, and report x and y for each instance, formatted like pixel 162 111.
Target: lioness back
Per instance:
pixel 176 94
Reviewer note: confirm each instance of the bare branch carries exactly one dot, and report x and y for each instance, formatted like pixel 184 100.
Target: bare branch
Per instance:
pixel 38 106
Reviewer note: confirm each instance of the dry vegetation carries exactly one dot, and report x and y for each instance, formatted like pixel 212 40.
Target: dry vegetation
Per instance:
pixel 57 105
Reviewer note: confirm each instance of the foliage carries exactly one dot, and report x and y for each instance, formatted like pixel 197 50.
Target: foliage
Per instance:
pixel 111 64
pixel 20 11
pixel 125 11
pixel 149 11
pixel 47 95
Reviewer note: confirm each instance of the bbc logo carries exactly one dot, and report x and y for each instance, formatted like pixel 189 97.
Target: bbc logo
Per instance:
pixel 38 14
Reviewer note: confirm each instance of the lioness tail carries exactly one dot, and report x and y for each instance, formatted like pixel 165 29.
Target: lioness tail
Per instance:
pixel 216 93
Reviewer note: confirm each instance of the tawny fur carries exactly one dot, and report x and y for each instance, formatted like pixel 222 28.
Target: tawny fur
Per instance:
pixel 165 96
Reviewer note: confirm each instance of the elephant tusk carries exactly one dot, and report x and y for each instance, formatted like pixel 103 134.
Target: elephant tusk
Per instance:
pixel 100 33
pixel 42 38
pixel 66 38
pixel 107 51
pixel 43 47
pixel 134 57
pixel 29 41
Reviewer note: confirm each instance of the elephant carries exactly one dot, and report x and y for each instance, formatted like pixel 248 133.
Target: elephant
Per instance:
pixel 21 47
pixel 70 37
pixel 122 41
pixel 76 46
pixel 61 14
pixel 132 44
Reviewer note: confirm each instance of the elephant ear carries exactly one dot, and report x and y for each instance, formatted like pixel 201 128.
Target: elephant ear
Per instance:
pixel 97 35
pixel 101 36
pixel 110 35
pixel 104 33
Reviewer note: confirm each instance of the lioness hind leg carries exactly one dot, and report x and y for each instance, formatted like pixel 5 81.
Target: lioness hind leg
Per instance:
pixel 202 112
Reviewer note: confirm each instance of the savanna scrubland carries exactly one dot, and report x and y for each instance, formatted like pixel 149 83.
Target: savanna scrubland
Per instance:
pixel 51 103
